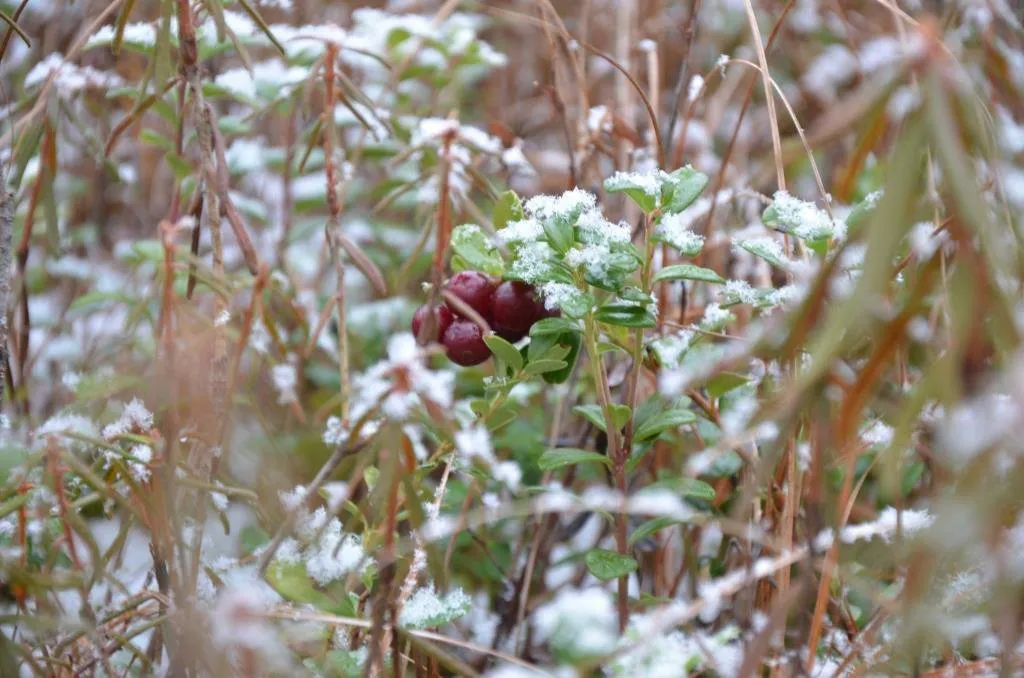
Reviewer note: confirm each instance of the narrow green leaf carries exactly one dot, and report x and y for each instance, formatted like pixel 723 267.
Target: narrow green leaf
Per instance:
pixel 122 20
pixel 607 565
pixel 568 456
pixel 689 272
pixel 255 16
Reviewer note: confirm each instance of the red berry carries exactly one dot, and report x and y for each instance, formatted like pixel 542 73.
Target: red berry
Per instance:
pixel 515 306
pixel 465 343
pixel 474 288
pixel 442 315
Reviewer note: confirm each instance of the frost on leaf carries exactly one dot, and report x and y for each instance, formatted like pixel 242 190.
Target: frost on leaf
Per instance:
pixel 674 231
pixel 426 609
pixel 802 219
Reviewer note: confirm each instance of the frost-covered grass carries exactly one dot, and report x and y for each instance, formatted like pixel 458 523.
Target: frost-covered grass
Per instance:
pixel 775 428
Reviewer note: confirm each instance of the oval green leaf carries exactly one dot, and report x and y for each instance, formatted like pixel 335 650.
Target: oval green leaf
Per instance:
pixel 607 565
pixel 689 272
pixel 568 456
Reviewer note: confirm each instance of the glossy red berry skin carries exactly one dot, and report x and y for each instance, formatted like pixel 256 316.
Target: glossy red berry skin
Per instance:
pixel 443 315
pixel 474 288
pixel 464 341
pixel 515 306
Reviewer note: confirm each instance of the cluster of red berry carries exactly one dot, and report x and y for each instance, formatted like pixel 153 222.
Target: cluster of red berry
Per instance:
pixel 509 307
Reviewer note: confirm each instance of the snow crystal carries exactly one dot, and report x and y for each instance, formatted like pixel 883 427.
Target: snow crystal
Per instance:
pixel 834 67
pixel 693 90
pixel 286 378
pixel 134 33
pixel 236 622
pixel 271 76
pixel 884 526
pixel 71 267
pixel 569 205
pixel 878 433
pixel 246 155
pixel 924 240
pixel 523 231
pixel 578 621
pixel 474 442
pixel 321 563
pixel 533 262
pixel 741 291
pixel 594 228
pixel 508 474
pixel 134 417
pixel 715 317
pixel 670 348
pixel 648 182
pixel 598 120
pixel 556 294
pixel 70 78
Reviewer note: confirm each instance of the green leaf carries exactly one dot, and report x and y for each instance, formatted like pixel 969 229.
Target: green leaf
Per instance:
pixel 292 582
pixel 767 249
pixel 343 664
pixel 560 234
pixel 507 208
pixel 151 136
pixel 650 527
pixel 577 305
pixel 688 184
pixel 690 488
pixel 659 423
pixel 554 326
pixel 635 294
pixel 689 272
pixel 593 414
pixel 504 351
pixel 567 456
pixel 179 165
pixel 574 341
pixel 636 186
pixel 476 250
pixel 607 565
pixel 859 215
pixel 545 365
pixel 723 383
pixel 502 417
pixel 626 315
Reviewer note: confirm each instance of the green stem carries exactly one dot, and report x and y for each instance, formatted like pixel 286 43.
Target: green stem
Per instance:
pixel 615 453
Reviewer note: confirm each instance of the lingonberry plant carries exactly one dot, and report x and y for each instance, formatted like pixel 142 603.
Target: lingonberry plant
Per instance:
pixel 511 338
